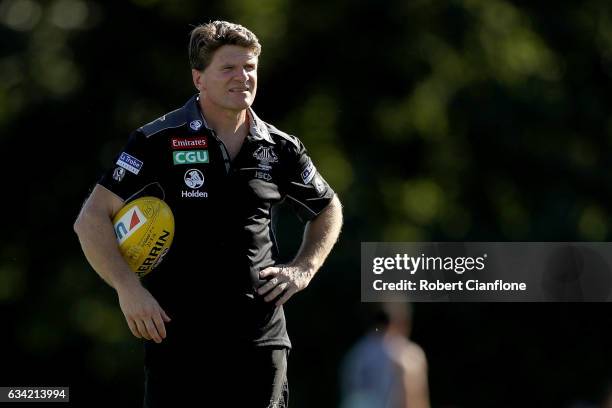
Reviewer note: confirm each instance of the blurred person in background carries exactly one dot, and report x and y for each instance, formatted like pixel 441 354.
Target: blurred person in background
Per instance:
pixel 385 369
pixel 211 312
pixel 607 398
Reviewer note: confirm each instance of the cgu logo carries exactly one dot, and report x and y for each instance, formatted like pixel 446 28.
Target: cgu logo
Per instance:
pixel 190 156
pixel 129 223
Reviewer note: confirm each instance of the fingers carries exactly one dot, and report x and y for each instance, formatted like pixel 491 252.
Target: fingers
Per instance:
pixel 290 292
pixel 133 328
pixel 269 271
pixel 159 325
pixel 268 286
pixel 152 330
pixel 281 283
pixel 142 329
pixel 164 316
pixel 145 318
pixel 276 291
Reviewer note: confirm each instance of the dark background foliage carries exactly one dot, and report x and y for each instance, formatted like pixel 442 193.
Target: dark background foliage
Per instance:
pixel 464 120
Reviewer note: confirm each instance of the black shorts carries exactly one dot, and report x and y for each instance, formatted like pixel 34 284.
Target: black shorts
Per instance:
pixel 253 377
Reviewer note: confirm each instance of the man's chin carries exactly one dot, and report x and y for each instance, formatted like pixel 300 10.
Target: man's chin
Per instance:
pixel 240 105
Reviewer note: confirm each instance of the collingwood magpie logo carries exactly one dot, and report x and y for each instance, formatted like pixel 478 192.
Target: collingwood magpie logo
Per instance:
pixel 118 174
pixel 265 155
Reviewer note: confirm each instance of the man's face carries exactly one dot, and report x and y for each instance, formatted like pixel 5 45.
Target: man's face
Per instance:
pixel 230 80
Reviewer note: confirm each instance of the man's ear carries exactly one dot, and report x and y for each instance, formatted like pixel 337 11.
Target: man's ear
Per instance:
pixel 198 79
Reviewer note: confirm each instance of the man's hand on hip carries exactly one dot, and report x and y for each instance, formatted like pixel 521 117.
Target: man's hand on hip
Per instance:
pixel 284 279
pixel 143 314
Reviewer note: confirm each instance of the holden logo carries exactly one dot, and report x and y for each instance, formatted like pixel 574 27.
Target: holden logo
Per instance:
pixel 194 178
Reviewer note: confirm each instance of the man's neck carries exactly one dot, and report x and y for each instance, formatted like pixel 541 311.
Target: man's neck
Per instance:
pixel 226 123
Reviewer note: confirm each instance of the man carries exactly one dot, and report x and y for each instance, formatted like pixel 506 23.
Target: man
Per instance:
pixel 213 308
pixel 385 369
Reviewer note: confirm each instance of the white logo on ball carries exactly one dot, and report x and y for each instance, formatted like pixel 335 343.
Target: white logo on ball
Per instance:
pixel 194 178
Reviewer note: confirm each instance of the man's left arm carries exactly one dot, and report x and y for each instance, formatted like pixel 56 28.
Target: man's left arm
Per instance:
pixel 320 235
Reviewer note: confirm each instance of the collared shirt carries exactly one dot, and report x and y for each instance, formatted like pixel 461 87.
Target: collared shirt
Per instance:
pixel 222 210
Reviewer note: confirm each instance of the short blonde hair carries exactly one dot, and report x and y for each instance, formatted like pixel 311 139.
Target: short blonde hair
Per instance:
pixel 205 39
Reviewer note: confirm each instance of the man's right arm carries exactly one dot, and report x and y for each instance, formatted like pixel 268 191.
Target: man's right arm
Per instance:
pixel 95 230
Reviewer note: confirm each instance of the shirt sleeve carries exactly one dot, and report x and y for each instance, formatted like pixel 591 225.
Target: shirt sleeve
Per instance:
pixel 130 172
pixel 305 189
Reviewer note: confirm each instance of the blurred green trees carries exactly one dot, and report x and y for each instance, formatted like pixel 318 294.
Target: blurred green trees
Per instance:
pixel 460 120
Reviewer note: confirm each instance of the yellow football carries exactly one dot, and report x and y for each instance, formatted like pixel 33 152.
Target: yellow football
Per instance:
pixel 144 229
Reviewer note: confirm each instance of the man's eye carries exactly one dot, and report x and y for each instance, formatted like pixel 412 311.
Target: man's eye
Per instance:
pixel 227 68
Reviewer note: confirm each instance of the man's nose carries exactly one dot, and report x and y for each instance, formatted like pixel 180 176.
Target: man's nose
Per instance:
pixel 242 74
